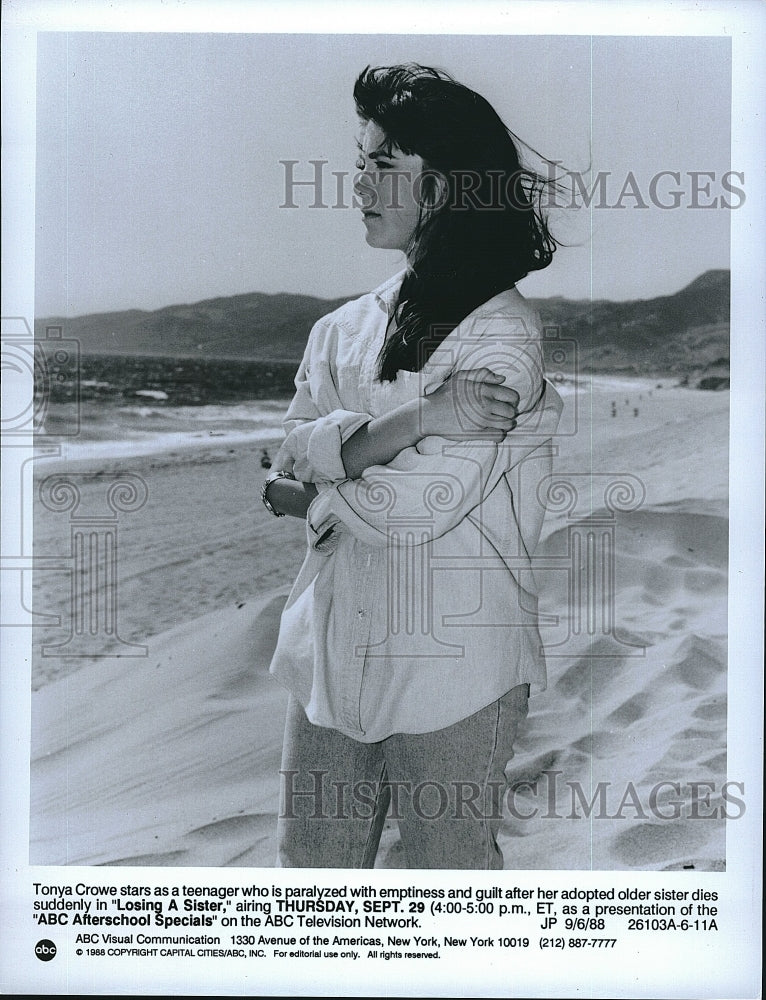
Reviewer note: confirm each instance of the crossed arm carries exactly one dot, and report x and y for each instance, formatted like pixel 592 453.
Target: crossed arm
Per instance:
pixel 468 404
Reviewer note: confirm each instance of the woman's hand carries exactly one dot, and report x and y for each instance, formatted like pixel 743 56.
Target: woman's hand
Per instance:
pixel 284 460
pixel 470 404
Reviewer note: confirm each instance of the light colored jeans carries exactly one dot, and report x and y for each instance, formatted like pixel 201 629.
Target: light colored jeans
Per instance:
pixel 445 788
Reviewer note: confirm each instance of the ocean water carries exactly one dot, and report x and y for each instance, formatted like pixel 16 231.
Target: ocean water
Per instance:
pixel 123 406
pixel 114 407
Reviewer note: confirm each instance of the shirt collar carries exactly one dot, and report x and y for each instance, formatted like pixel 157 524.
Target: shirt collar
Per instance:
pixel 387 293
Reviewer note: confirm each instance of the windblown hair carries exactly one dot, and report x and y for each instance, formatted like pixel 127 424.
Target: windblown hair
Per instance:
pixel 481 227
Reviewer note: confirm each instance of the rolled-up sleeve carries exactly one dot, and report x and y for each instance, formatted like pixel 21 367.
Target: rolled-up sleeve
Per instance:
pixel 436 485
pixel 316 445
pixel 316 437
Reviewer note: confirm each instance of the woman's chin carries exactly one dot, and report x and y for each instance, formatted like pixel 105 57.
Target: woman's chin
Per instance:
pixel 372 238
pixel 376 241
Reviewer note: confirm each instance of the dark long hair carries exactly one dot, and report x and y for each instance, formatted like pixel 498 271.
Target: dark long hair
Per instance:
pixel 484 231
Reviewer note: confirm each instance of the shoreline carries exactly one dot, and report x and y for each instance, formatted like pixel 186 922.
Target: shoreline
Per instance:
pixel 154 453
pixel 182 447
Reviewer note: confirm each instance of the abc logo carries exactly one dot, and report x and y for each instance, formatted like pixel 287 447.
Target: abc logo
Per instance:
pixel 45 950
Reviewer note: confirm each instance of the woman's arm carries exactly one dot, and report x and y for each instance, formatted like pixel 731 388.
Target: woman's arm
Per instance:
pixel 288 496
pixel 330 443
pixel 381 440
pixel 442 480
pixel 468 404
pixel 375 443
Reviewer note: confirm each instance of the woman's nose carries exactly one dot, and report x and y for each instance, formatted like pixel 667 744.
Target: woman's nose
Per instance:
pixel 362 180
pixel 364 187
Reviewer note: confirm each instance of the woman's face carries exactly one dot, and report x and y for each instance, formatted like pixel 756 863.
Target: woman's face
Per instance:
pixel 387 186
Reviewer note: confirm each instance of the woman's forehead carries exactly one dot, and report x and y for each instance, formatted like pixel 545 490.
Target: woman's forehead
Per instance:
pixel 372 139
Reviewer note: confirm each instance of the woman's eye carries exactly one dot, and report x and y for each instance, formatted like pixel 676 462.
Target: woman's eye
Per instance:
pixel 375 165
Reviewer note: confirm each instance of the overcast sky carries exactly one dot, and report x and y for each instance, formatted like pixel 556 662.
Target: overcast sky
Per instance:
pixel 159 174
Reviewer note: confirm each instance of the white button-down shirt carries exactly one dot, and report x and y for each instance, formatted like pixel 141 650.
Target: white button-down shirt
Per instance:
pixel 416 604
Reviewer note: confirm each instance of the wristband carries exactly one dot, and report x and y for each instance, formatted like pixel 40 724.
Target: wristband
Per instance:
pixel 279 474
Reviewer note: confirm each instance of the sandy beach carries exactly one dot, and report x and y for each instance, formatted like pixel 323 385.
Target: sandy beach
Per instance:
pixel 170 756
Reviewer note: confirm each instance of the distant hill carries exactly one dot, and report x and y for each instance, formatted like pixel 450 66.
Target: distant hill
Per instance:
pixel 684 332
pixel 254 326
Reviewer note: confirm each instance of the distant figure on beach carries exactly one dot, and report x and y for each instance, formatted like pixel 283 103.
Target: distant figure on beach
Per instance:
pixel 418 435
pixel 265 459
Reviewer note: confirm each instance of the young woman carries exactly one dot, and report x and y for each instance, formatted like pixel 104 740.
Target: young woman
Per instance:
pixel 416 440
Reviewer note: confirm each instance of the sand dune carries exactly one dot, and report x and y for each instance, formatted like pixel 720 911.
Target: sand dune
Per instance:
pixel 636 721
pixel 173 759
